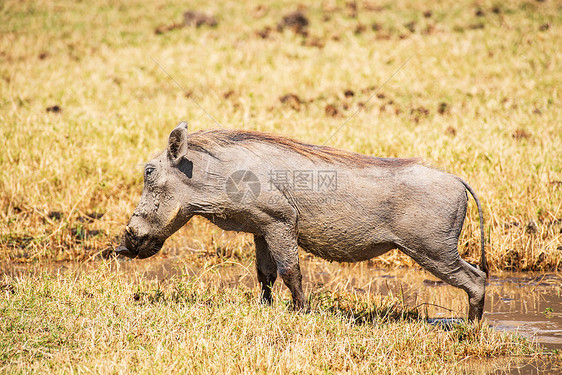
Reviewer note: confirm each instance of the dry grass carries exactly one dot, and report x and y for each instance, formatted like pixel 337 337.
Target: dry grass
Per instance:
pixel 107 322
pixel 480 97
pixel 83 106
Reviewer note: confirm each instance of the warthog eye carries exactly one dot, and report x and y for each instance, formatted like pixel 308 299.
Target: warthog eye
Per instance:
pixel 148 171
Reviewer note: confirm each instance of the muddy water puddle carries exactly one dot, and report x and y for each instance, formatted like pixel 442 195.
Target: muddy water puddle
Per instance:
pixel 527 303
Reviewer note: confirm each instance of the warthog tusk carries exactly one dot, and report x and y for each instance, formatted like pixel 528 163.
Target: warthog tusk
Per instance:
pixel 122 250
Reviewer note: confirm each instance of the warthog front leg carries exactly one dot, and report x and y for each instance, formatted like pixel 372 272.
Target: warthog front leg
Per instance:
pixel 293 279
pixel 266 267
pixel 283 247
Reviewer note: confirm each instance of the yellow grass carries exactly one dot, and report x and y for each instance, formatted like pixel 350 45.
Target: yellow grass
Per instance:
pixel 103 321
pixel 479 96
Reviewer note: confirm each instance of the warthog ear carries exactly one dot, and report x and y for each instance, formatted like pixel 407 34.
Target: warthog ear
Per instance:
pixel 177 143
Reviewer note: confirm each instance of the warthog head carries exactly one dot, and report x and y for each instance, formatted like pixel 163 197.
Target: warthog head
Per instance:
pixel 163 207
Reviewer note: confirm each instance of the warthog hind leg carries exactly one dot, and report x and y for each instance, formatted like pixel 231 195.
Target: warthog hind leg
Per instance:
pixel 447 265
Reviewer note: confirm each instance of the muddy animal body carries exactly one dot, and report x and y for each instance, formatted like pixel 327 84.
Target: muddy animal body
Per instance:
pixel 337 205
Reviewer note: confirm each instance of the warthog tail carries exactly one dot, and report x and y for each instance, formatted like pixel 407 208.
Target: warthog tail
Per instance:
pixel 483 263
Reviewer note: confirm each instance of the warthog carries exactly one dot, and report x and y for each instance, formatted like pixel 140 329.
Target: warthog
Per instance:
pixel 338 205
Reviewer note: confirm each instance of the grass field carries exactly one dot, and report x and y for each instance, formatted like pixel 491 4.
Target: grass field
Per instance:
pixel 108 322
pixel 89 92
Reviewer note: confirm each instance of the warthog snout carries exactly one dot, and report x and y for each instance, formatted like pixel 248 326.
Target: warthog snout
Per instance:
pixel 135 246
